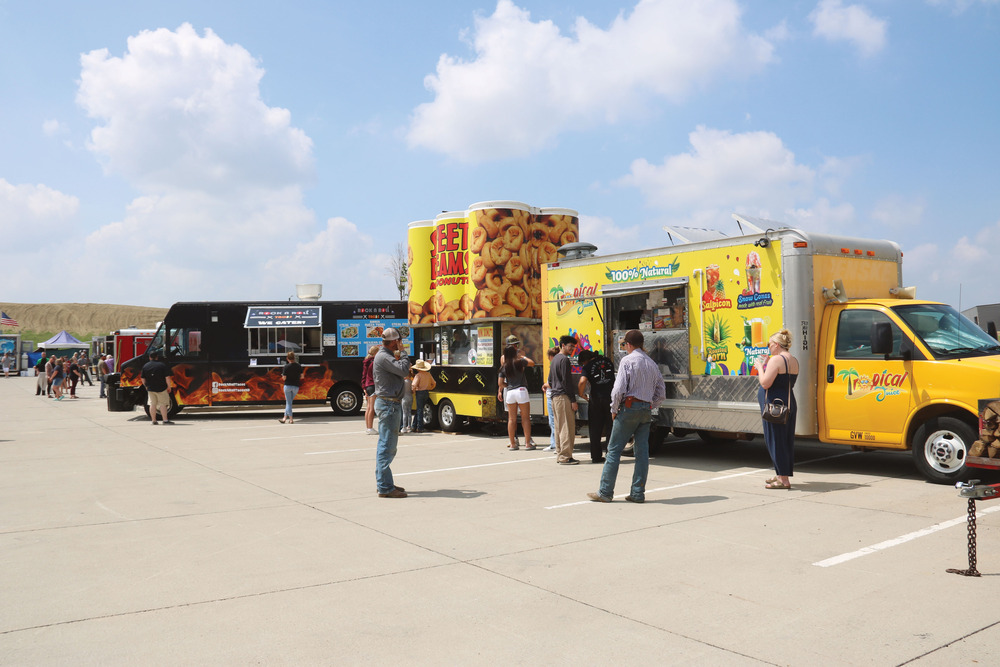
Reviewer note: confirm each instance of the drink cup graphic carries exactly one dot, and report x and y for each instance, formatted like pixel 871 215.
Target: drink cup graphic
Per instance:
pixel 757 332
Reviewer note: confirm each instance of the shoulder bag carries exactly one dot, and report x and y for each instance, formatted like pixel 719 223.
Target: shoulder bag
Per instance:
pixel 776 411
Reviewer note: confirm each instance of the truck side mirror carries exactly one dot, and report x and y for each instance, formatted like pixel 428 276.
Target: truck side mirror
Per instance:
pixel 881 338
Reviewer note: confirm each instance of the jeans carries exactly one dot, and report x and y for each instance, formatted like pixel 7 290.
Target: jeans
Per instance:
pixel 423 396
pixel 630 421
pixel 552 421
pixel 104 384
pixel 290 393
pixel 406 405
pixel 390 415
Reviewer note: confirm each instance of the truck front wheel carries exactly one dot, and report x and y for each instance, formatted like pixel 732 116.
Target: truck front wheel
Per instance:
pixel 940 446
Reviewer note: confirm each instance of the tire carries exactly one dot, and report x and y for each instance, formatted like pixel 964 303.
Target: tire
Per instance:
pixel 940 447
pixel 345 400
pixel 429 418
pixel 447 417
pixel 172 409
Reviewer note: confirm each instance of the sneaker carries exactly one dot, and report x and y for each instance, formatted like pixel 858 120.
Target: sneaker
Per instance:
pixel 568 462
pixel 370 431
pixel 550 448
pixel 395 493
pixel 633 499
pixel 168 422
pixel 598 498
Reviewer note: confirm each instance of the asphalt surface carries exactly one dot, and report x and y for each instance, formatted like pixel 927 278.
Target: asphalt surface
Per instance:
pixel 231 539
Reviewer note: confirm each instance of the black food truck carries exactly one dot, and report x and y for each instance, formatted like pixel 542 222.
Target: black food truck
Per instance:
pixel 230 354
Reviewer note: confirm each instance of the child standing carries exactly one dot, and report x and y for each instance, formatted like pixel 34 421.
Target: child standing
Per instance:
pixel 407 403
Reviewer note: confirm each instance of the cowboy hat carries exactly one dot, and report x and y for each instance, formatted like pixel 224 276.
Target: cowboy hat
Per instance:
pixel 422 365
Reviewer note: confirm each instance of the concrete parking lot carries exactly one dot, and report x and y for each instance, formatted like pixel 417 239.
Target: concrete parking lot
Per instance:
pixel 229 538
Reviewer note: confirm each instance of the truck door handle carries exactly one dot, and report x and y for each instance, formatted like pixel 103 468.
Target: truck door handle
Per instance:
pixel 829 373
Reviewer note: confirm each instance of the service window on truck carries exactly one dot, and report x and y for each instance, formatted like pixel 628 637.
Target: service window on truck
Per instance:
pixel 272 332
pixel 459 345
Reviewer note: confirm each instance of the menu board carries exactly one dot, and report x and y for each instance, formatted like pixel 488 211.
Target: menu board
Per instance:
pixel 484 345
pixel 355 337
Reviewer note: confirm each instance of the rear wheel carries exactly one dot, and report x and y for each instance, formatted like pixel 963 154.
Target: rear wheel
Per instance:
pixel 428 419
pixel 447 418
pixel 940 447
pixel 345 400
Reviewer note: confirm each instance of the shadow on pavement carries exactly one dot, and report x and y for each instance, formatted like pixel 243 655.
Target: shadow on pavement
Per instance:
pixel 446 493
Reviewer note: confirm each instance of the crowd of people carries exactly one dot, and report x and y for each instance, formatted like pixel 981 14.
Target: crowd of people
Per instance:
pixel 620 404
pixel 57 373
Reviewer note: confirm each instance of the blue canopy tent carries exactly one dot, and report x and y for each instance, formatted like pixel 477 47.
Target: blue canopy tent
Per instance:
pixel 62 344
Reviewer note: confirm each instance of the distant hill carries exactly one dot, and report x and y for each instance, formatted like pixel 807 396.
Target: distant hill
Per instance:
pixel 83 320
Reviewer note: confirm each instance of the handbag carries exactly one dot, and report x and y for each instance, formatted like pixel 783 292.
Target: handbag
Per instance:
pixel 776 411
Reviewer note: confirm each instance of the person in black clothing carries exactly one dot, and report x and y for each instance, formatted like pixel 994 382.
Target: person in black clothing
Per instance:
pixel 158 382
pixel 291 375
pixel 599 372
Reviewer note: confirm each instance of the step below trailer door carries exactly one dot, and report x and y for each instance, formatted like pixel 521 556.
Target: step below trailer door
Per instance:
pixel 864 398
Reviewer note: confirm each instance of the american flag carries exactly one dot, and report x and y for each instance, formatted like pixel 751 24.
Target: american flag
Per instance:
pixel 7 321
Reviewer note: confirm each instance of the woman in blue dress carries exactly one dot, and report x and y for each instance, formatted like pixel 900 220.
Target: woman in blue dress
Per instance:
pixel 777 375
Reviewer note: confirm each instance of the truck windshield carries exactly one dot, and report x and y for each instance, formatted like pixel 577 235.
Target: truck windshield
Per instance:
pixel 158 339
pixel 947 333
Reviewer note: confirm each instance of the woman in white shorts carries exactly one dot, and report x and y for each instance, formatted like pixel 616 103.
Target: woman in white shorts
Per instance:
pixel 513 391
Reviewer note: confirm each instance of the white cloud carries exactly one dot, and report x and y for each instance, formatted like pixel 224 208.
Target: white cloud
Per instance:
pixel 183 112
pixel 753 169
pixel 221 213
pixel 53 127
pixel 942 273
pixel 898 212
pixel 853 23
pixel 959 6
pixel 610 237
pixel 33 205
pixel 529 82
pixel 752 173
pixel 341 257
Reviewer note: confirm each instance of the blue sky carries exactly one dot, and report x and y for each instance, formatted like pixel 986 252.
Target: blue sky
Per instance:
pixel 160 152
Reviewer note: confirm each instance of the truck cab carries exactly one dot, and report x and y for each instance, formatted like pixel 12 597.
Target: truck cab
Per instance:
pixel 905 374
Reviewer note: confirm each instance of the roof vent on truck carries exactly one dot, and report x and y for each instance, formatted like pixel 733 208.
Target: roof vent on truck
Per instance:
pixel 576 250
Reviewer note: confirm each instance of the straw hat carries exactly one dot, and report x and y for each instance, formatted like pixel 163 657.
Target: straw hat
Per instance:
pixel 422 365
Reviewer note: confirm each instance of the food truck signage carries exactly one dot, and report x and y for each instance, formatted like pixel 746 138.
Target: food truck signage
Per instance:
pixel 643 272
pixel 295 316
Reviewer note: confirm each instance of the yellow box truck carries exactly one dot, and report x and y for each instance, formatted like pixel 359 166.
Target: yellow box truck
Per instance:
pixel 878 368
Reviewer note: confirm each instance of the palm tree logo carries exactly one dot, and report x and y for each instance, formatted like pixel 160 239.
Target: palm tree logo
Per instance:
pixel 847 374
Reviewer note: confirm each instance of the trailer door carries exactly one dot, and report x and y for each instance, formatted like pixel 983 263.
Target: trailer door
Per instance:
pixel 865 398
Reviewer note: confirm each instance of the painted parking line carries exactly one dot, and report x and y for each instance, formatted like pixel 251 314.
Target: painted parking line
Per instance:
pixel 375 444
pixel 479 465
pixel 756 471
pixel 903 539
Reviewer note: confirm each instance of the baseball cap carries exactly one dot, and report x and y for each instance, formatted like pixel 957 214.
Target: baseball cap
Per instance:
pixel 390 334
pixel 513 340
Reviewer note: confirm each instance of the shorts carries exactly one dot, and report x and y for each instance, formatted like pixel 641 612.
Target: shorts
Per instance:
pixel 518 395
pixel 370 390
pixel 57 382
pixel 159 399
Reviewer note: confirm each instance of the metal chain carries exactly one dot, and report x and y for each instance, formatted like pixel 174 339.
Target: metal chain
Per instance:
pixel 972 571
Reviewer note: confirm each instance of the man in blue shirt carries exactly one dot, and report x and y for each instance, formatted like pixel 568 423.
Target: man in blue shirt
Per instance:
pixel 638 389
